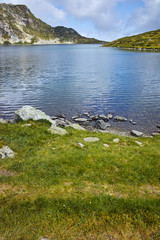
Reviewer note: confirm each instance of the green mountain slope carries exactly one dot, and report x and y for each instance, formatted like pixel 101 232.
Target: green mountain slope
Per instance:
pixel 18 26
pixel 148 40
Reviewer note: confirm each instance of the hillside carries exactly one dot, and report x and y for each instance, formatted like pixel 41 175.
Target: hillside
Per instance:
pixel 148 40
pixel 19 26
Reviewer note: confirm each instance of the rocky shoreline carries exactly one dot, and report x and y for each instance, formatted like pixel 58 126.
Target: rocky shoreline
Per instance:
pixel 86 121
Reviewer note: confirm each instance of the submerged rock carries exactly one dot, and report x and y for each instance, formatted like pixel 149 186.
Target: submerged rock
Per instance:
pixel 6 152
pixel 136 133
pixel 102 125
pixel 27 112
pixel 120 118
pixel 91 139
pixel 57 130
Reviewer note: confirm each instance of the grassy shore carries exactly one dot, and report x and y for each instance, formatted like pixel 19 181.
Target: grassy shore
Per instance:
pixel 71 192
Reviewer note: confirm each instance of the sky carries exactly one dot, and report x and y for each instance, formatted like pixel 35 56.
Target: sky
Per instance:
pixel 102 19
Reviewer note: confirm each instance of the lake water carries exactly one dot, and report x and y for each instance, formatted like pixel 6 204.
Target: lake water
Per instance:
pixel 72 79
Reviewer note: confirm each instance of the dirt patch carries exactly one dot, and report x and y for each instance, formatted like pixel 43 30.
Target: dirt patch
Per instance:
pixel 4 172
pixel 154 190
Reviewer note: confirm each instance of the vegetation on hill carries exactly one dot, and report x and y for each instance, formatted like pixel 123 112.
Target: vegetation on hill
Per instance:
pixel 148 40
pixel 18 26
pixel 55 189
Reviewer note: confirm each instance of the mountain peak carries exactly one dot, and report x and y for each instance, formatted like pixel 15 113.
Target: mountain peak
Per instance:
pixel 18 25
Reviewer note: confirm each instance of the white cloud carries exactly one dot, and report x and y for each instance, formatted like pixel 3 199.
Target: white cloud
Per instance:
pixel 146 18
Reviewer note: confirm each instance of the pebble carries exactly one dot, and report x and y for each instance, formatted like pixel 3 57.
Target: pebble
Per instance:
pixel 81 145
pixel 139 143
pixel 136 133
pixel 106 145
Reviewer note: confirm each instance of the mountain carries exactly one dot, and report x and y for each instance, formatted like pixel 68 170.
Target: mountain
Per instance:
pixel 19 26
pixel 147 40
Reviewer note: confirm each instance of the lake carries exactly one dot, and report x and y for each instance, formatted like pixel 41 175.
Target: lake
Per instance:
pixel 73 79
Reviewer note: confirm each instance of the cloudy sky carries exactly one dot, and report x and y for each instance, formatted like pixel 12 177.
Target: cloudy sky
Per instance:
pixel 102 19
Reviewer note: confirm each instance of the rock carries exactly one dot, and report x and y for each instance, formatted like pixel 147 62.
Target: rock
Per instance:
pixel 109 116
pixel 6 152
pixel 94 117
pixel 134 123
pixel 61 123
pixel 74 117
pixel 44 239
pixel 61 116
pixel 120 118
pixel 26 125
pixel 91 139
pixel 103 117
pixel 27 112
pixel 54 117
pixel 102 125
pixel 139 143
pixel 106 145
pixel 77 127
pixel 53 148
pixel 116 140
pixel 158 126
pixel 81 145
pixel 3 121
pixel 57 130
pixel 155 134
pixel 136 133
pixel 87 114
pixel 131 121
pixel 82 120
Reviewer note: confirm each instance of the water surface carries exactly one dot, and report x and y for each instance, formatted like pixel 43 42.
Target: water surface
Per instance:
pixel 72 79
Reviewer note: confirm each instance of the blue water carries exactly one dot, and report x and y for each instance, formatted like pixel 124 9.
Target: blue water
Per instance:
pixel 72 79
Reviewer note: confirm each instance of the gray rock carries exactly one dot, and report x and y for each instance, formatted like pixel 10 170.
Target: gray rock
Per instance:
pixel 116 140
pixel 27 112
pixel 134 123
pixel 102 125
pixel 61 116
pixel 81 145
pixel 103 117
pixel 6 152
pixel 94 117
pixel 131 121
pixel 109 116
pixel 91 139
pixel 26 125
pixel 80 120
pixel 120 118
pixel 106 145
pixel 136 133
pixel 158 126
pixel 139 143
pixel 3 121
pixel 77 127
pixel 54 117
pixel 57 130
pixel 61 123
pixel 155 134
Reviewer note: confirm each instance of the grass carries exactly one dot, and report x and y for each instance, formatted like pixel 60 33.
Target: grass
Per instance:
pixel 74 193
pixel 148 40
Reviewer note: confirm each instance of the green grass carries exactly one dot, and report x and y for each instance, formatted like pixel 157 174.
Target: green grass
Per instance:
pixel 74 193
pixel 148 40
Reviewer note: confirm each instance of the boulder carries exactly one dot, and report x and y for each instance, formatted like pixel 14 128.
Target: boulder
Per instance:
pixel 27 112
pixel 6 152
pixel 94 117
pixel 77 127
pixel 102 125
pixel 91 139
pixel 109 116
pixel 120 118
pixel 136 133
pixel 103 117
pixel 3 121
pixel 80 120
pixel 57 130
